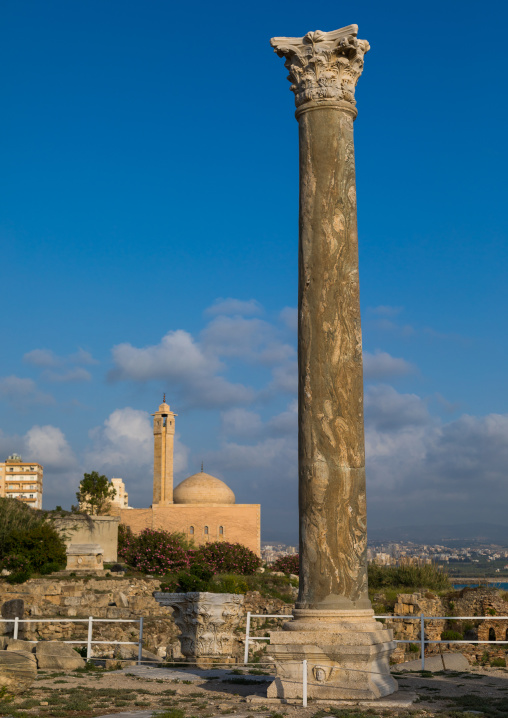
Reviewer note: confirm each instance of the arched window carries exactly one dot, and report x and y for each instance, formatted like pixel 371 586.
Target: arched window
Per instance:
pixel 221 530
pixel 206 530
pixel 492 635
pixel 191 530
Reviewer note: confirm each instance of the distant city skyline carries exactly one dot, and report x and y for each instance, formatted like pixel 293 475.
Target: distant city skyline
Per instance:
pixel 148 220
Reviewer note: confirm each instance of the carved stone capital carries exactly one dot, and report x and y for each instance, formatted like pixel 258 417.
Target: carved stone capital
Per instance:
pixel 324 67
pixel 207 621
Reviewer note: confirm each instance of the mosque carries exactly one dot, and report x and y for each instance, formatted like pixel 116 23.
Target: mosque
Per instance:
pixel 202 507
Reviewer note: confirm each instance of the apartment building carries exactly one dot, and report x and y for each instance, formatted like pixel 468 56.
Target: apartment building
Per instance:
pixel 21 480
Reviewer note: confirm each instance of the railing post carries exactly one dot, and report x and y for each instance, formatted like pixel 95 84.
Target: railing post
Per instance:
pixel 422 639
pixel 304 683
pixel 140 641
pixel 247 634
pixel 89 640
pixel 16 627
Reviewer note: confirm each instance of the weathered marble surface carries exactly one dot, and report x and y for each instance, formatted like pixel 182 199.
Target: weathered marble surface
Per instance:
pixel 333 627
pixel 324 69
pixel 206 620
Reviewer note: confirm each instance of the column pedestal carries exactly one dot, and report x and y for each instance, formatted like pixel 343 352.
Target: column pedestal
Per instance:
pixel 347 655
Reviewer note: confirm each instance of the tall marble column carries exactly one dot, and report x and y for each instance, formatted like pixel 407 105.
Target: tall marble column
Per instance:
pixel 333 624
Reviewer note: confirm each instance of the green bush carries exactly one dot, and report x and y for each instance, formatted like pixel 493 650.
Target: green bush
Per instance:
pixel 28 542
pixel 451 636
pixel 413 648
pixel 19 576
pixel 498 663
pixel 230 584
pixel 428 576
pixel 224 557
pixel 40 545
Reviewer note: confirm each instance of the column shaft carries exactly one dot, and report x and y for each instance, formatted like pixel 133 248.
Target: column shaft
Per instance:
pixel 332 499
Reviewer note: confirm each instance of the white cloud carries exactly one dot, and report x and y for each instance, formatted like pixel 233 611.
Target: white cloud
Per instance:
pixel 46 358
pixel 48 446
pixel 253 340
pixel 180 361
pixel 424 471
pixel 241 422
pixel 388 410
pixel 285 378
pixel 382 365
pixel 22 392
pixel 69 375
pixel 125 442
pixel 42 358
pixel 232 306
pixel 289 315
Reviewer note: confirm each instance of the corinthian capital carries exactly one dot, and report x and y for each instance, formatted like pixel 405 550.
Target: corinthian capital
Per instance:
pixel 323 66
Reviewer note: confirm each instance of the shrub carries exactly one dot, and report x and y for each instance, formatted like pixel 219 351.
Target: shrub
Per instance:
pixel 155 551
pixel 28 541
pixel 229 584
pixel 451 636
pixel 224 557
pixel 288 564
pixel 498 663
pixel 19 576
pixel 428 576
pixel 413 648
pixel 40 544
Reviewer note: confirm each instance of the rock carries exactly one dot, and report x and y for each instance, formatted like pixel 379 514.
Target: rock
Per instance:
pixel 57 655
pixel 126 653
pixel 15 608
pixel 260 570
pixel 294 577
pixel 278 573
pixel 16 645
pixel 432 664
pixel 18 670
pixel 4 642
pixel 121 600
pixel 455 662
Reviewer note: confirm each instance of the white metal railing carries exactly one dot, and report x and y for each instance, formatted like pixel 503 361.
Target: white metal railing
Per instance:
pixel 89 640
pixel 421 640
pixel 249 638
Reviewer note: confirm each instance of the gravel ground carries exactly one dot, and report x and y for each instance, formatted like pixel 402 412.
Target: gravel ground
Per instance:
pixel 198 694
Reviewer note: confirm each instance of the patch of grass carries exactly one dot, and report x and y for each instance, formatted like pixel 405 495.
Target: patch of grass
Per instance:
pixel 171 713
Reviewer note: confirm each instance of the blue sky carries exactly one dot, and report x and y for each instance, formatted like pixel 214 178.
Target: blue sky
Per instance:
pixel 149 229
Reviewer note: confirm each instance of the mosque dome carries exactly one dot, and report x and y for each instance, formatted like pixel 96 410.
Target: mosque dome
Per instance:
pixel 202 488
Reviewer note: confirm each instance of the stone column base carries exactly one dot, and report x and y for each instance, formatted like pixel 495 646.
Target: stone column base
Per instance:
pixel 347 657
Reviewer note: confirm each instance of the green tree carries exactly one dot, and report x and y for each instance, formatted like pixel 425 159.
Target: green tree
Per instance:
pixel 95 493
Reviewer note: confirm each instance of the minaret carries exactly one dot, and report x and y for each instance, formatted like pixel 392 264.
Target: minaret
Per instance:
pixel 163 435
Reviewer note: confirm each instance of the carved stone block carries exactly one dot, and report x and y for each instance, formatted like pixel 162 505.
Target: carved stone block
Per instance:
pixel 207 622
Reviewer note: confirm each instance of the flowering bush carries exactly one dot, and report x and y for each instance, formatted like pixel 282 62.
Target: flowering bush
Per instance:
pixel 153 551
pixel 288 564
pixel 14 562
pixel 224 557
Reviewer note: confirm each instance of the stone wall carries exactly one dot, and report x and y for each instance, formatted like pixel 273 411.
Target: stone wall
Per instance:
pixel 84 529
pixel 124 598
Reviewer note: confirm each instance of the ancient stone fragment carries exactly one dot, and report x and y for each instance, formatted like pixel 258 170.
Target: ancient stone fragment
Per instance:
pixel 207 622
pixel 18 670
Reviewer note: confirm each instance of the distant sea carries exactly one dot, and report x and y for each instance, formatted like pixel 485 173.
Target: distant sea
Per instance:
pixel 489 584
